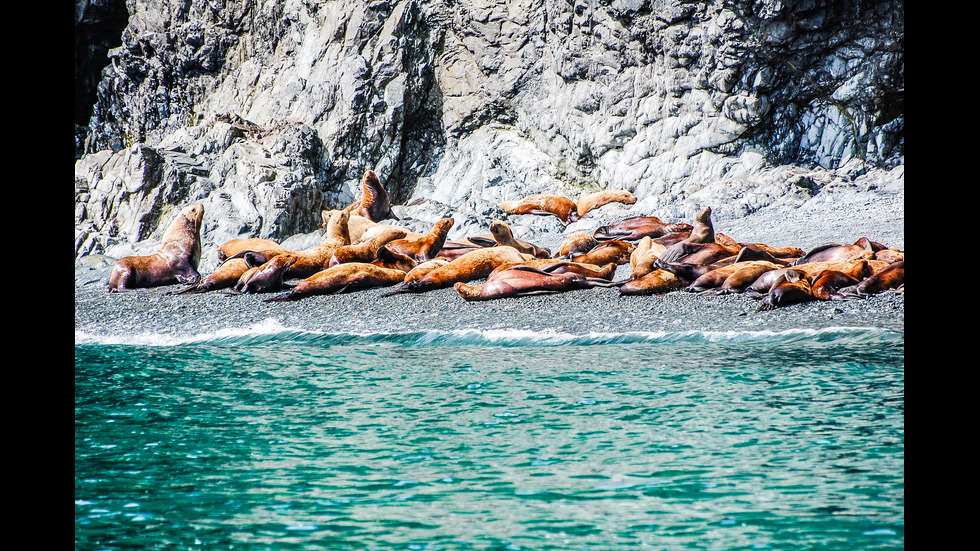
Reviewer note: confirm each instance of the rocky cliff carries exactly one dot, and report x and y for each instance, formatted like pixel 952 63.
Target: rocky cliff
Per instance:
pixel 268 112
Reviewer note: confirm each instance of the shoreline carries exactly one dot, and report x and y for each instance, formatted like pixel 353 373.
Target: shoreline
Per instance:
pixel 845 218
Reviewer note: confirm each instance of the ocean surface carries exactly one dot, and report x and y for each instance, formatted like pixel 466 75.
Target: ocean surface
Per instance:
pixel 275 438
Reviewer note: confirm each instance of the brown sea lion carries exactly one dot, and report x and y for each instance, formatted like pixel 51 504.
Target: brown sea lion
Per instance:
pixel 891 278
pixel 638 227
pixel 503 235
pixel 889 255
pixel 644 256
pixel 374 203
pixel 366 250
pixel 780 253
pixel 703 231
pixel 342 278
pixel 525 280
pixel 597 199
pixel 312 260
pixel 423 248
pixel 357 225
pixel 266 278
pixel 575 244
pixel 733 277
pixel 419 271
pixel 475 264
pixel 791 287
pixel 224 276
pixel 834 252
pixel 858 269
pixel 656 282
pixel 827 285
pixel 175 262
pixel 613 250
pixel 543 204
pixel 701 246
pixel 234 247
pixel 555 265
pixel 394 260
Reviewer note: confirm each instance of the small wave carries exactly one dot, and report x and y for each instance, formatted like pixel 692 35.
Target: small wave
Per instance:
pixel 272 332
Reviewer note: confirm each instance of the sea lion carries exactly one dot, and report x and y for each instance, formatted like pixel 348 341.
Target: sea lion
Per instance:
pixel 889 255
pixel 342 278
pixel 366 250
pixel 791 287
pixel 779 254
pixel 558 266
pixel 891 278
pixel 543 204
pixel 175 262
pixel 419 271
pixel 235 247
pixel 394 260
pixel 374 203
pixel 476 264
pixel 503 235
pixel 524 280
pixel 266 278
pixel 656 282
pixel 703 231
pixel 357 225
pixel 312 260
pixel 575 244
pixel 613 250
pixel 422 248
pixel 644 256
pixel 224 276
pixel 733 277
pixel 638 227
pixel 592 201
pixel 858 269
pixel 827 285
pixel 834 252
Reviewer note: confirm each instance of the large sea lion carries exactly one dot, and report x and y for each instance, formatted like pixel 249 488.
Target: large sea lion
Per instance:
pixel 858 269
pixel 525 280
pixel 655 282
pixel 342 278
pixel 374 203
pixel 175 262
pixel 613 250
pixel 791 287
pixel 422 248
pixel 224 276
pixel 266 278
pixel 357 225
pixel 827 285
pixel 891 278
pixel 638 227
pixel 701 246
pixel 476 264
pixel 503 235
pixel 543 204
pixel 366 250
pixel 575 244
pixel 733 277
pixel 312 260
pixel 644 256
pixel 235 247
pixel 592 201
pixel 834 252
pixel 558 266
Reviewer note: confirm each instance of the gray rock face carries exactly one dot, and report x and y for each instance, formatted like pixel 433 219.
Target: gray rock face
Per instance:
pixel 268 112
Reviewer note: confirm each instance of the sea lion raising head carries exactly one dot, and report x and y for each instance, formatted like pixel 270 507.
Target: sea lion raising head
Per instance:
pixel 175 262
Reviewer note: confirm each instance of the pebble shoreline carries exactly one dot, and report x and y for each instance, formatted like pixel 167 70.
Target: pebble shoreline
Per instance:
pixel 598 310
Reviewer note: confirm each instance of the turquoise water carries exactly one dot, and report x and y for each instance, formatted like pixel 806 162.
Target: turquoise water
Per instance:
pixel 280 439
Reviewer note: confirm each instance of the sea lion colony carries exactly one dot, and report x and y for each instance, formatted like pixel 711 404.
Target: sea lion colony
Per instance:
pixel 359 252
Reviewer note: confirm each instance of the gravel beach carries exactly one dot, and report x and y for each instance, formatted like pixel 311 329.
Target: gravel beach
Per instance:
pixel 844 218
